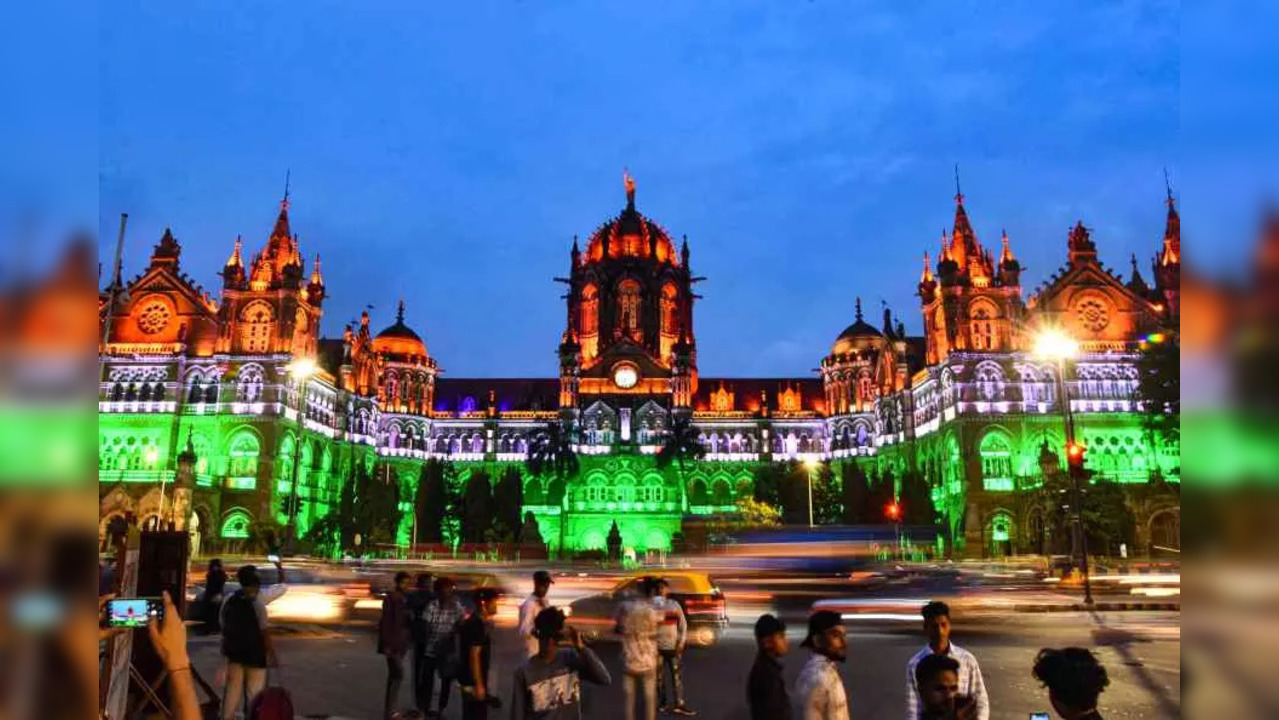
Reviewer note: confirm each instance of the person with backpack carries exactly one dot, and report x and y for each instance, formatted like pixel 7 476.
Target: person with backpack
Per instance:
pixel 393 635
pixel 246 639
pixel 440 621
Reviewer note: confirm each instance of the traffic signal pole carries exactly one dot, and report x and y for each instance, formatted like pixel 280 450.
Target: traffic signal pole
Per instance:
pixel 1075 469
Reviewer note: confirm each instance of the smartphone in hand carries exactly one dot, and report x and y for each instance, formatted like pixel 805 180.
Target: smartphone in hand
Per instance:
pixel 134 612
pixel 1040 716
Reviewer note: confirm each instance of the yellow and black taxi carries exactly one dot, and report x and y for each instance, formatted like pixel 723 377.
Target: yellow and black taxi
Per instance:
pixel 704 606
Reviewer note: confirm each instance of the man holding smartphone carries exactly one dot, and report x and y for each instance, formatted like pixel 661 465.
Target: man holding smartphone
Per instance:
pixel 937 628
pixel 548 686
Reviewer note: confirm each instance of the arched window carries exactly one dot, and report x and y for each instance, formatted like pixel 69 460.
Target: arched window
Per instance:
pixel 256 322
pixel 996 463
pixel 722 494
pixel 697 493
pixel 249 387
pixel 242 456
pixel 990 382
pixel 670 318
pixel 590 310
pixel 533 492
pixel 983 327
pixel 301 324
pixel 628 307
pixel 236 525
pixel 651 490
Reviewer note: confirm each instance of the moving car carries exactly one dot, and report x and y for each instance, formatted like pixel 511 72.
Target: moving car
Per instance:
pixel 704 605
pixel 311 596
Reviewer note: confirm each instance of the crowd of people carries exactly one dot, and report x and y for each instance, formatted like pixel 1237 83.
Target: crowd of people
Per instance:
pixel 450 644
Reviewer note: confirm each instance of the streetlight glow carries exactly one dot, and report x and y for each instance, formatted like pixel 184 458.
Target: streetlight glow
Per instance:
pixel 812 463
pixel 301 368
pixel 1056 344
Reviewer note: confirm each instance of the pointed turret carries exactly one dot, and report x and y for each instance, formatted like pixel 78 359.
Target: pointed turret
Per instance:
pixel 1136 282
pixel 233 272
pixel 859 310
pixel 1009 267
pixel 947 267
pixel 575 255
pixel 315 288
pixel 166 251
pixel 1080 245
pixel 1171 252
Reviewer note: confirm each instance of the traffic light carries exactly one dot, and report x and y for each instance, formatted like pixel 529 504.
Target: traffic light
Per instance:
pixel 893 511
pixel 1075 456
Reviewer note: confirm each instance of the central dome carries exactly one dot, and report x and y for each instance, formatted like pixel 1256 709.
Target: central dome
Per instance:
pixel 630 234
pixel 399 339
pixel 861 335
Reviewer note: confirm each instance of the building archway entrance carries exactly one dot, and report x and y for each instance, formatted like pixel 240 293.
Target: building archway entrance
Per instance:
pixel 1165 532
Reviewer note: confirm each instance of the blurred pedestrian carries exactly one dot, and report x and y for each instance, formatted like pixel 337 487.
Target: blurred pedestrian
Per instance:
pixel 475 644
pixel 393 636
pixel 211 601
pixel 936 616
pixel 440 622
pixel 820 688
pixel 246 640
pixel 637 620
pixel 765 688
pixel 548 685
pixel 672 638
pixel 532 605
pixel 418 599
pixel 1074 680
pixel 937 682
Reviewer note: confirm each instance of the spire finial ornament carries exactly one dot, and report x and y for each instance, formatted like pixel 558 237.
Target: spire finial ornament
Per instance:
pixel 959 194
pixel 399 312
pixel 288 175
pixel 1168 189
pixel 859 308
pixel 628 181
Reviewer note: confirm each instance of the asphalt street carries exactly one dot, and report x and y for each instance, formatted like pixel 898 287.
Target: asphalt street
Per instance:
pixel 336 672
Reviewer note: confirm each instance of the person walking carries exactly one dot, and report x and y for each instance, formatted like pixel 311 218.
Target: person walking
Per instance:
pixel 440 620
pixel 475 645
pixel 1075 680
pixel 637 620
pixel 936 616
pixel 534 604
pixel 418 599
pixel 393 637
pixel 765 688
pixel 214 593
pixel 548 685
pixel 820 688
pixel 672 638
pixel 246 640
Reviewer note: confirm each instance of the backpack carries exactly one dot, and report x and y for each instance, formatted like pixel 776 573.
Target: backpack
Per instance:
pixel 242 640
pixel 273 703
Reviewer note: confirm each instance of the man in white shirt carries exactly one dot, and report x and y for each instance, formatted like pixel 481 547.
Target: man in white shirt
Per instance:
pixel 246 640
pixel 637 621
pixel 937 628
pixel 530 608
pixel 820 688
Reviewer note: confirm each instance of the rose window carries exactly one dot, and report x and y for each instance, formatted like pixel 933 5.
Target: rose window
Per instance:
pixel 153 318
pixel 1093 315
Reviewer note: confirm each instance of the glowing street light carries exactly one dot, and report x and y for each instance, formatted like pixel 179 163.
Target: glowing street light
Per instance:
pixel 1056 345
pixel 301 369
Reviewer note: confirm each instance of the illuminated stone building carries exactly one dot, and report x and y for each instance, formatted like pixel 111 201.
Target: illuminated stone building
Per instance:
pixel 966 404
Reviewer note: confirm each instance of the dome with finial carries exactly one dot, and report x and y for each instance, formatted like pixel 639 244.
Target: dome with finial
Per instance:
pixel 399 339
pixel 861 335
pixel 630 234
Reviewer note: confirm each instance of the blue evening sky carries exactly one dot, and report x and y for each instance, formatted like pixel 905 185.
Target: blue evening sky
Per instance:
pixel 447 153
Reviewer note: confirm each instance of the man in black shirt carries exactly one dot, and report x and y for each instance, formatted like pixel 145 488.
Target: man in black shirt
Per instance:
pixel 1074 680
pixel 475 642
pixel 765 689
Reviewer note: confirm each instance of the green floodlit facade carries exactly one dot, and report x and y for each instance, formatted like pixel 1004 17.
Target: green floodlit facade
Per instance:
pixel 966 405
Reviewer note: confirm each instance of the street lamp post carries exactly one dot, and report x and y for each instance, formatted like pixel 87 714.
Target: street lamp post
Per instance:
pixel 811 465
pixel 301 369
pixel 1059 347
